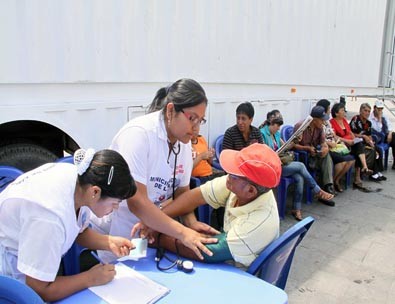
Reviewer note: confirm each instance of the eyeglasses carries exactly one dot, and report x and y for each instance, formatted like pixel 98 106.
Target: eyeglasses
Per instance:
pixel 194 119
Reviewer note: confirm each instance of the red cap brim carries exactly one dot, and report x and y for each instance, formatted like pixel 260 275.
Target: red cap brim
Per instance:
pixel 228 162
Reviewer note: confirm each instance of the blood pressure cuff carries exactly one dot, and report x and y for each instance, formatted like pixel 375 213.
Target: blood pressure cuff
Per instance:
pixel 220 250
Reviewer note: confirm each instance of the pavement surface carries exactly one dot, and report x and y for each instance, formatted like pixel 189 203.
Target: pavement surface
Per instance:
pixel 348 255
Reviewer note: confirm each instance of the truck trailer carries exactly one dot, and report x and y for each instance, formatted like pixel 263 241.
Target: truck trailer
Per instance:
pixel 72 73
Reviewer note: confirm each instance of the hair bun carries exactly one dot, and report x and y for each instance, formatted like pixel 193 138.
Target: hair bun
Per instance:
pixel 83 159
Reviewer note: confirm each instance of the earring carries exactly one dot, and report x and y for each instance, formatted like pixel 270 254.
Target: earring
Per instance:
pixel 93 196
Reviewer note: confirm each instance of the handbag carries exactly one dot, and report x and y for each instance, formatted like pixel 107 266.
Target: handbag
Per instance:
pixel 341 148
pixel 286 157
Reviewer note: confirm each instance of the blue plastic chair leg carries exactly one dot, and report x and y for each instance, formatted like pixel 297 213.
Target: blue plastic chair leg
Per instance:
pixel 282 190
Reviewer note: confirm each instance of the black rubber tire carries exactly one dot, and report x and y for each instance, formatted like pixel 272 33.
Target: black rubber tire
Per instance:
pixel 25 156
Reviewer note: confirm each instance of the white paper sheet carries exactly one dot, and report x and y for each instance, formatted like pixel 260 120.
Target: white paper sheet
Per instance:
pixel 130 286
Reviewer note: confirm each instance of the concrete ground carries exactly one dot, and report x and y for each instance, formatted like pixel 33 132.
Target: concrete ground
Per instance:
pixel 348 255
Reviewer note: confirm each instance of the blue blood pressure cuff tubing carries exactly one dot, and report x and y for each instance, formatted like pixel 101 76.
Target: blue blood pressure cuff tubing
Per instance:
pixel 220 250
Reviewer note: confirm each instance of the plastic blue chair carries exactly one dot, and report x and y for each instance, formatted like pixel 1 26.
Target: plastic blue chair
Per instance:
pixel 71 260
pixel 382 146
pixel 274 262
pixel 218 149
pixel 286 133
pixel 204 211
pixel 282 189
pixel 13 291
pixel 7 175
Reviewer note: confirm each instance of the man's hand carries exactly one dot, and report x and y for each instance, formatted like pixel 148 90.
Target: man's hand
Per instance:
pixel 311 150
pixel 203 228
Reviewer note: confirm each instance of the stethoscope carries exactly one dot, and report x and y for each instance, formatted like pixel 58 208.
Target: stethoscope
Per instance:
pixel 175 152
pixel 186 266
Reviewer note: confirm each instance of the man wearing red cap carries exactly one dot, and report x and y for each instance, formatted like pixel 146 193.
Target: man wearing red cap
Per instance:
pixel 251 219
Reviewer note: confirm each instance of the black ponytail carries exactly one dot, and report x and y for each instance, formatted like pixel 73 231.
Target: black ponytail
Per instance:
pixel 184 93
pixel 109 171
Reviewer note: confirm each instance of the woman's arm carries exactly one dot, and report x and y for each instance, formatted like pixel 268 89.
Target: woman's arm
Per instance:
pixel 184 203
pixel 154 218
pixel 91 239
pixel 64 286
pixel 207 155
pixel 189 218
pixel 348 142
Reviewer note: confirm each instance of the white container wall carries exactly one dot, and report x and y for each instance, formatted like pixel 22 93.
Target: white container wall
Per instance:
pixel 304 42
pixel 286 54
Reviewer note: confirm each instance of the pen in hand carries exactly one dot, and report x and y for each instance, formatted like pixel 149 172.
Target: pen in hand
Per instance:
pixel 97 257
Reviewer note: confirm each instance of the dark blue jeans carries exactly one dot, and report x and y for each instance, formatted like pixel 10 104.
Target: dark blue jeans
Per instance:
pixel 298 171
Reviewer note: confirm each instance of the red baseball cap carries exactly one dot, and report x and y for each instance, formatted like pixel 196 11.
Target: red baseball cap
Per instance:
pixel 257 162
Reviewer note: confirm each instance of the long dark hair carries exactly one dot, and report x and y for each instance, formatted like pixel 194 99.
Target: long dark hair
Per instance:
pixel 325 103
pixel 336 108
pixel 109 171
pixel 184 93
pixel 270 116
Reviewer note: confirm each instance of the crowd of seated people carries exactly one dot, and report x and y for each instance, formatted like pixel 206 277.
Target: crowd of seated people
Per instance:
pixel 297 170
pixel 334 147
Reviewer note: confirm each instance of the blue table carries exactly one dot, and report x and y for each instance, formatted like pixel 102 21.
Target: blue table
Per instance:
pixel 208 283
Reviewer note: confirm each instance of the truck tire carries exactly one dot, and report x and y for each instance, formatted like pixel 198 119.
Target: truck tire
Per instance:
pixel 25 156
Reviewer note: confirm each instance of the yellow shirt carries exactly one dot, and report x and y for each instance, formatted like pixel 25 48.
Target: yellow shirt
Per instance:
pixel 250 228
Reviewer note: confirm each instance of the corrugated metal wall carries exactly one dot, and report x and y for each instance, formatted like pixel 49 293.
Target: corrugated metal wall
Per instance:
pixel 305 42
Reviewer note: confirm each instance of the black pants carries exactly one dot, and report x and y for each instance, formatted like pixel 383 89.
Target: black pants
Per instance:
pixel 392 144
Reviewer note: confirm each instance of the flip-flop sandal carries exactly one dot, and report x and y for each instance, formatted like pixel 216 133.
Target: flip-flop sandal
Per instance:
pixel 338 188
pixel 297 214
pixel 324 195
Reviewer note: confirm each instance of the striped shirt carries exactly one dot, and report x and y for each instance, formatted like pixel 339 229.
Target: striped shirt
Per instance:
pixel 234 140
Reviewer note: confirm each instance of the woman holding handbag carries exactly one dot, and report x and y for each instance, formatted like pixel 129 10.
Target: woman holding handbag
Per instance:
pixel 340 154
pixel 295 169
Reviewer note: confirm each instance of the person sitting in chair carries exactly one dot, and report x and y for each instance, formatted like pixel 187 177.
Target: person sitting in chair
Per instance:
pixel 361 126
pixel 243 133
pixel 381 123
pixel 342 161
pixel 314 143
pixel 251 215
pixel 203 158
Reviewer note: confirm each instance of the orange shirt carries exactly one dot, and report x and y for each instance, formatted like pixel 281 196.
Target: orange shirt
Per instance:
pixel 203 168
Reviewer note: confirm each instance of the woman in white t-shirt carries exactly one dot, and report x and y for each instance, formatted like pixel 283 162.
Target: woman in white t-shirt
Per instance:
pixel 158 150
pixel 45 210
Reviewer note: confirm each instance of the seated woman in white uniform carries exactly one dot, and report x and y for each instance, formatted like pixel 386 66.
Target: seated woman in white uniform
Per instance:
pixel 157 147
pixel 45 210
